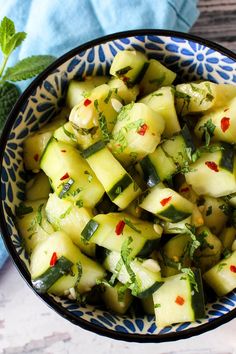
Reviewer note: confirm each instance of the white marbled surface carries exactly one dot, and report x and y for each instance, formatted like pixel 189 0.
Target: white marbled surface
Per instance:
pixel 28 326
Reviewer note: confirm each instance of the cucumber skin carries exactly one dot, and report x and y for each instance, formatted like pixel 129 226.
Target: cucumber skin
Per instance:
pixel 149 173
pixel 149 291
pixel 123 183
pixel 89 229
pixel 42 283
pixel 198 302
pixel 93 149
pixel 173 214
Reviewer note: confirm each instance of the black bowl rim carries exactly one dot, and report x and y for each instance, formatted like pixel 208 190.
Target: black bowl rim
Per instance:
pixel 129 337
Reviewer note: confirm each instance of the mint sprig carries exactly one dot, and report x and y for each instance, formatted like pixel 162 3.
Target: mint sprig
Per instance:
pixel 23 70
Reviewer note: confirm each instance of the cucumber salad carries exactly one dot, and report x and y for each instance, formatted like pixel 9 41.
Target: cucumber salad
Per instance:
pixel 131 193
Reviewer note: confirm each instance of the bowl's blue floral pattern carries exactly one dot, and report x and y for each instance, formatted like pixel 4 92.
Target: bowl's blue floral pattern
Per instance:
pixel 186 57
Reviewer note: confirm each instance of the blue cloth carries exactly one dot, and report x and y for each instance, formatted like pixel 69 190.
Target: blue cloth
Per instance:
pixel 56 26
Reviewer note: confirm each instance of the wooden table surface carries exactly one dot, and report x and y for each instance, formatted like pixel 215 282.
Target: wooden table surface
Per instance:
pixel 217 22
pixel 27 326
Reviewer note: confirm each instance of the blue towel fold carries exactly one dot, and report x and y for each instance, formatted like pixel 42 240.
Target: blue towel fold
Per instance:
pixel 56 26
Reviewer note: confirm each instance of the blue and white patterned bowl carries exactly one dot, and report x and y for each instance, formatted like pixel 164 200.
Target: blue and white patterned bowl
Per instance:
pixel 191 58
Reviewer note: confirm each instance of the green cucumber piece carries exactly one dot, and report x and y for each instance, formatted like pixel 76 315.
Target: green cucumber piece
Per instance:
pixel 216 181
pixel 162 102
pixel 78 90
pixel 35 144
pixel 184 300
pixel 42 283
pixel 38 187
pixel 167 204
pixel 118 184
pixel 102 230
pixel 71 176
pixel 137 133
pixel 68 217
pixel 129 65
pixel 222 277
pixel 117 298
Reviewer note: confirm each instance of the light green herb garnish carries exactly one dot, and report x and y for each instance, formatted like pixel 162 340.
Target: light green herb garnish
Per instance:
pixel 37 219
pixel 131 225
pixel 208 131
pixel 79 203
pixel 191 277
pixel 221 266
pixel 67 212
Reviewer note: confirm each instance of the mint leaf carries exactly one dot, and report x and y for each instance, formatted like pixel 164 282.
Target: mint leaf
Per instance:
pixel 9 39
pixel 7 30
pixel 9 93
pixel 14 42
pixel 28 67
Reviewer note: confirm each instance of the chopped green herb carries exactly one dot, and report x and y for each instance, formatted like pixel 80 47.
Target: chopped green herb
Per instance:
pixel 103 126
pixel 156 306
pixel 79 203
pixel 221 266
pixel 107 99
pixel 75 192
pixel 90 177
pixel 209 210
pixel 191 277
pixel 226 253
pixel 67 212
pixel 69 134
pixel 208 131
pixel 37 220
pixel 123 114
pixel 23 209
pixel 131 225
pixel 186 99
pixel 118 190
pixel 80 271
pixel 122 290
pixel 159 80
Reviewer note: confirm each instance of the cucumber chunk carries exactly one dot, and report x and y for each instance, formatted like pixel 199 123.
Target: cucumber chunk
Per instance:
pixel 117 298
pixel 35 144
pixel 137 133
pixel 156 76
pixel 127 94
pixel 118 184
pixel 32 223
pixel 177 300
pixel 60 245
pixel 67 217
pixel 213 173
pixel 202 96
pixel 214 212
pixel 162 102
pixel 157 167
pixel 78 90
pixel 112 230
pixel 70 175
pixel 222 277
pixel 167 204
pixel 223 122
pixel 147 274
pixel 96 113
pixel 130 66
pixel 38 187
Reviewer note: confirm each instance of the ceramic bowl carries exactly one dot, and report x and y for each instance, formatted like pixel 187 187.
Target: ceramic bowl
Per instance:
pixel 191 58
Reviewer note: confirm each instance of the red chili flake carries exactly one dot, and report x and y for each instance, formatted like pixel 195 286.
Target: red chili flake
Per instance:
pixel 226 109
pixel 53 259
pixel 184 190
pixel 180 300
pixel 66 175
pixel 165 201
pixel 63 150
pixel 120 227
pixel 142 129
pixel 212 165
pixel 233 268
pixel 224 124
pixel 87 102
pixel 36 157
